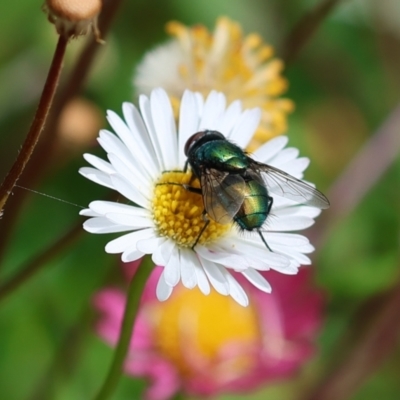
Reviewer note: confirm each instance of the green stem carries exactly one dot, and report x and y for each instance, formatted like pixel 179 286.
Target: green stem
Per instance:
pixel 131 310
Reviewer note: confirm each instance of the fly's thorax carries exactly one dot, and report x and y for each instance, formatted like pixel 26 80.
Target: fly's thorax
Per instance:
pixel 256 205
pixel 221 155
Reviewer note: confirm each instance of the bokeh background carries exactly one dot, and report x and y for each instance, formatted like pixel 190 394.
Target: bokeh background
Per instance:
pixel 345 82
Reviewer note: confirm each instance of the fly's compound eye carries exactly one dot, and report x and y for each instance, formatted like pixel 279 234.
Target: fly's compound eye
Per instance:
pixel 192 140
pixel 195 138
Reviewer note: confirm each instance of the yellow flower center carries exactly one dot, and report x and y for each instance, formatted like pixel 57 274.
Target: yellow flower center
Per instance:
pixel 240 66
pixel 178 213
pixel 214 331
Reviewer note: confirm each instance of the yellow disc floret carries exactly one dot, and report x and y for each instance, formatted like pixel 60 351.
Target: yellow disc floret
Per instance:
pixel 178 212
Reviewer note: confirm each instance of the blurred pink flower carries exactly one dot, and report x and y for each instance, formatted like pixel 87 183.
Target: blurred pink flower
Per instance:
pixel 205 345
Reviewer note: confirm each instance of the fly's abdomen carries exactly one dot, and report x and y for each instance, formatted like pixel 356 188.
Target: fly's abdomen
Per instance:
pixel 255 207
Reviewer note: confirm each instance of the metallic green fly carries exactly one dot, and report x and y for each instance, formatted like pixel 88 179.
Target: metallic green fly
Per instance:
pixel 236 188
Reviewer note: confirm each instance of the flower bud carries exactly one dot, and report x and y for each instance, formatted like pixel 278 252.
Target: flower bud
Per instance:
pixel 74 18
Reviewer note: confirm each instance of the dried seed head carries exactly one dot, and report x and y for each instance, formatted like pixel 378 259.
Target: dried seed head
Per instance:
pixel 74 18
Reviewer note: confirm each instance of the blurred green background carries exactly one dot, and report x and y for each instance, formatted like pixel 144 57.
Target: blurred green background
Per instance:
pixel 345 83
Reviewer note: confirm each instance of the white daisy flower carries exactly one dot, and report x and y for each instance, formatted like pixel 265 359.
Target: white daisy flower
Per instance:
pixel 147 154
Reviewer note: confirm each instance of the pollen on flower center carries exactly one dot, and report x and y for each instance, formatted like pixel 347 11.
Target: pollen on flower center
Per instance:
pixel 178 213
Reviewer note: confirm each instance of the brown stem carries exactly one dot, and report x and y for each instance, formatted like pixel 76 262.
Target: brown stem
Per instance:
pixel 38 122
pixel 43 153
pixel 366 353
pixel 34 265
pixel 305 28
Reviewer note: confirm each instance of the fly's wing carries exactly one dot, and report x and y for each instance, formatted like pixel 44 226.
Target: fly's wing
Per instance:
pixel 285 185
pixel 223 194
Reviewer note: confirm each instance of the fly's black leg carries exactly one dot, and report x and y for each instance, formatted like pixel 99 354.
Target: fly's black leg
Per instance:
pixel 207 221
pixel 271 200
pixel 264 241
pixel 192 189
pixel 174 170
pixel 186 187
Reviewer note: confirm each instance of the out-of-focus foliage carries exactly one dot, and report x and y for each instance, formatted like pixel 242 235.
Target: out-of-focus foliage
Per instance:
pixel 345 82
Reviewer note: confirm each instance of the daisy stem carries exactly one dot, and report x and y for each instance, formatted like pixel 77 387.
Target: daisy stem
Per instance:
pixel 38 122
pixel 135 290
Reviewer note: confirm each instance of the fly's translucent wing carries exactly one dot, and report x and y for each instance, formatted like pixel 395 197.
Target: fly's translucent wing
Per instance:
pixel 283 184
pixel 223 194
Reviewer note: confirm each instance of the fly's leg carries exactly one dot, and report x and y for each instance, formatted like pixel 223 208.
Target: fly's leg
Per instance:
pixel 264 241
pixel 185 186
pixel 271 200
pixel 207 221
pixel 197 191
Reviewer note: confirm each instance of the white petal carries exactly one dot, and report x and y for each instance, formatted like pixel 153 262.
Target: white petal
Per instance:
pixel 129 191
pixel 201 277
pixel 165 128
pixel 256 249
pixel 145 109
pixel 130 173
pixel 296 255
pixel 289 223
pixel 234 261
pixel 227 121
pixel 269 149
pixel 245 127
pixel 188 274
pixel 111 143
pixel 120 129
pixel 288 239
pixel 99 163
pixel 213 108
pixel 188 122
pixel 257 280
pixel 87 212
pixel 284 156
pixel 298 210
pixel 143 149
pixel 121 243
pixel 97 176
pixel 162 254
pixel 131 254
pixel 104 207
pixel 235 290
pixel 103 225
pixel 172 270
pixel 133 221
pixel 147 246
pixel 215 276
pixel 163 290
pixel 296 167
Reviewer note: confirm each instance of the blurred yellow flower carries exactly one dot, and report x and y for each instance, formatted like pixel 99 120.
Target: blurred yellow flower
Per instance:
pixel 240 66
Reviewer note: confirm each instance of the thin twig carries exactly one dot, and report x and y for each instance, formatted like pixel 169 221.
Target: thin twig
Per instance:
pixel 305 28
pixel 39 120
